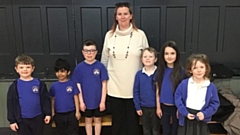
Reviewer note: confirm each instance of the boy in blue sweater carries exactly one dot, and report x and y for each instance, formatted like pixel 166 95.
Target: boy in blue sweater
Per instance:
pixel 144 93
pixel 91 77
pixel 28 101
pixel 65 103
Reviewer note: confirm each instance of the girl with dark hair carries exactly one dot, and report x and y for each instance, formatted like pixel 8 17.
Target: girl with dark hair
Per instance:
pixel 169 75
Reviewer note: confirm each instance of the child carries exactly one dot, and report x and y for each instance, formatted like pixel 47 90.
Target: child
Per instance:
pixel 169 75
pixel 28 101
pixel 91 77
pixel 196 97
pixel 144 93
pixel 65 103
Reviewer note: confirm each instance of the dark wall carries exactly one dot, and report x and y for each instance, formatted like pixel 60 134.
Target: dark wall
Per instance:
pixel 49 29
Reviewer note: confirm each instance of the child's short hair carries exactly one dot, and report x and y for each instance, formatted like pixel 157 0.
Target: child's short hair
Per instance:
pixel 151 50
pixel 24 59
pixel 193 59
pixel 89 42
pixel 61 64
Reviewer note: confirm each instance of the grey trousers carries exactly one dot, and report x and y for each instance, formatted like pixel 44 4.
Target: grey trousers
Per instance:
pixel 150 121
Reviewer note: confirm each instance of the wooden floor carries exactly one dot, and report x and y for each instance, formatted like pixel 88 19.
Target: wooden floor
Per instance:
pixel 106 123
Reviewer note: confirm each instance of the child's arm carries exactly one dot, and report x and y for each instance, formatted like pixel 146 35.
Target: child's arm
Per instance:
pixel 76 101
pixel 46 104
pixel 10 112
pixel 213 103
pixel 81 101
pixel 136 95
pixel 53 110
pixel 103 98
pixel 10 106
pixel 179 99
pixel 158 109
pixel 10 109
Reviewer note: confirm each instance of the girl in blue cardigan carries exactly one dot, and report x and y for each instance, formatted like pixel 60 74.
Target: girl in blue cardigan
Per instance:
pixel 196 97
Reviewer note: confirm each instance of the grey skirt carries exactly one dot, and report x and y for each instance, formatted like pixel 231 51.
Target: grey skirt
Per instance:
pixel 193 127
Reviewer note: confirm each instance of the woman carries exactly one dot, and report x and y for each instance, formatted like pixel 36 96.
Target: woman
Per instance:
pixel 121 55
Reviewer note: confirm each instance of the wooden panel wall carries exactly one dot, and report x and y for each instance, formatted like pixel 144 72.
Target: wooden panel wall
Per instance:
pixel 216 30
pixel 47 30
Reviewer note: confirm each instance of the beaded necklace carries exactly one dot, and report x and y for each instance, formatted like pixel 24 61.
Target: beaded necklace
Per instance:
pixel 130 38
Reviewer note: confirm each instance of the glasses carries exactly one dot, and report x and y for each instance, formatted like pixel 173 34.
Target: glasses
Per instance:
pixel 89 51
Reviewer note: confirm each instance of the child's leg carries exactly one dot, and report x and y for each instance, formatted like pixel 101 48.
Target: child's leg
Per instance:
pixel 146 123
pixel 88 125
pixel 98 125
pixel 36 124
pixel 155 122
pixel 166 126
pixel 60 121
pixel 23 128
pixel 165 119
pixel 174 124
pixel 72 124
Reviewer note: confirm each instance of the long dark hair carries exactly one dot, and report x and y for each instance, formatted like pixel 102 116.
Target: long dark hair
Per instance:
pixel 177 74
